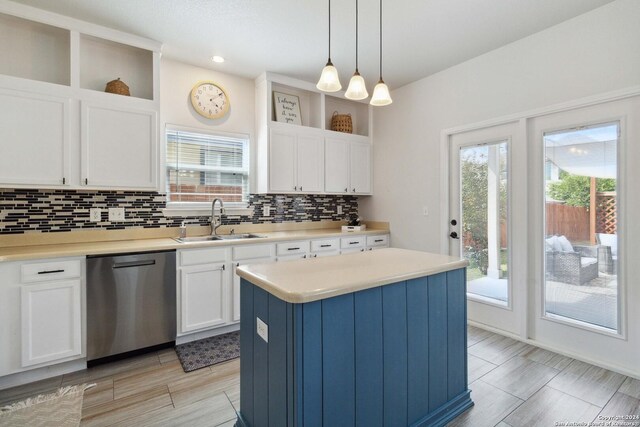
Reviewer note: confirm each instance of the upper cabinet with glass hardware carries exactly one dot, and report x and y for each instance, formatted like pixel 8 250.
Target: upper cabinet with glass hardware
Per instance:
pixel 297 152
pixel 55 115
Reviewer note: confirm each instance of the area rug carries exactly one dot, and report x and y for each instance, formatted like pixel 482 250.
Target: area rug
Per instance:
pixel 61 409
pixel 209 351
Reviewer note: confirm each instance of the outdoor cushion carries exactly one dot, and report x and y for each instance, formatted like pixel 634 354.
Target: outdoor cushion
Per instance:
pixel 610 240
pixel 585 260
pixel 548 243
pixel 565 244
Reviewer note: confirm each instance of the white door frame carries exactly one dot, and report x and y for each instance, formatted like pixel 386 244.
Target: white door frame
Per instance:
pixel 632 337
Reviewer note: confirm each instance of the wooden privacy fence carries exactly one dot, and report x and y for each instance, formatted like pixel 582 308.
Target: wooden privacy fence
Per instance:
pixel 606 212
pixel 569 221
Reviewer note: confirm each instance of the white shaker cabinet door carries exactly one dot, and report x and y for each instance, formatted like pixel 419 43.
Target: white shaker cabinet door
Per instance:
pixel 282 162
pixel 310 165
pixel 119 147
pixel 51 321
pixel 336 158
pixel 235 315
pixel 34 139
pixel 202 297
pixel 360 162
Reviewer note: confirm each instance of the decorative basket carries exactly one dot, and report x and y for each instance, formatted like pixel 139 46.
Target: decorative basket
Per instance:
pixel 118 87
pixel 341 122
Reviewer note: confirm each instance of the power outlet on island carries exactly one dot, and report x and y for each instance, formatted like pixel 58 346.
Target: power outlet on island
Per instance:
pixel 116 214
pixel 262 329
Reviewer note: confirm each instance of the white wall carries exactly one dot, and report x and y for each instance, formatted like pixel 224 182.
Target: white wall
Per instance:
pixel 593 53
pixel 177 80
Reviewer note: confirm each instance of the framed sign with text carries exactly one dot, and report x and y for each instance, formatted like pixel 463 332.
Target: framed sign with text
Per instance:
pixel 287 108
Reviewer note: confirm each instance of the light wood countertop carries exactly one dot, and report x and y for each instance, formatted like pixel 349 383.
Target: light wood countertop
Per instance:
pixel 320 278
pixel 27 252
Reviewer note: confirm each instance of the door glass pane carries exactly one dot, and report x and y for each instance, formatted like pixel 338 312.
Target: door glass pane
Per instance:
pixel 484 190
pixel 581 244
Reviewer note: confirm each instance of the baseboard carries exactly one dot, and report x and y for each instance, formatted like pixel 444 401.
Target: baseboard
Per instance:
pixel 32 375
pixel 447 412
pixel 206 334
pixel 577 356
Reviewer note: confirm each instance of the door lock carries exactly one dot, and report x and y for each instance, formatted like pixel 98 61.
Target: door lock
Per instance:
pixel 454 235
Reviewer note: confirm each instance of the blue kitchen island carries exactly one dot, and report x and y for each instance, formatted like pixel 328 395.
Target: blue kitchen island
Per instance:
pixel 367 339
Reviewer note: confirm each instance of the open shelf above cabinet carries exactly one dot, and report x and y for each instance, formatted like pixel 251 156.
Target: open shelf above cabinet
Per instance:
pixel 359 112
pixel 103 60
pixel 34 51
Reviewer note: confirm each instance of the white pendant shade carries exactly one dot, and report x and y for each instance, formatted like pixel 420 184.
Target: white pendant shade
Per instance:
pixel 381 95
pixel 329 80
pixel 357 88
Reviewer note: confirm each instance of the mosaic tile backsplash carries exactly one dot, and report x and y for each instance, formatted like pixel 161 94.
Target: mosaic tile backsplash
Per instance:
pixel 68 210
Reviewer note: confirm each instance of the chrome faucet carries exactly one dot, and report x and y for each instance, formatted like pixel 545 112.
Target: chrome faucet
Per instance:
pixel 216 221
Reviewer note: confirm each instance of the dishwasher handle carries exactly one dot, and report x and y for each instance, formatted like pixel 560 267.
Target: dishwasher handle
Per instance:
pixel 134 263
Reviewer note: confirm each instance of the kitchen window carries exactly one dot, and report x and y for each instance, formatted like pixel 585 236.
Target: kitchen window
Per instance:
pixel 202 166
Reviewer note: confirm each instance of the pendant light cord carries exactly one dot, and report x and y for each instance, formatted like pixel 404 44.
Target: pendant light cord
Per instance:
pixel 356 36
pixel 329 30
pixel 380 40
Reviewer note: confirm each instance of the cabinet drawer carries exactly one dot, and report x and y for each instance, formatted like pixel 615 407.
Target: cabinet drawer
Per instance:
pixel 291 248
pixel 382 240
pixel 46 271
pixel 325 245
pixel 252 251
pixel 202 256
pixel 352 242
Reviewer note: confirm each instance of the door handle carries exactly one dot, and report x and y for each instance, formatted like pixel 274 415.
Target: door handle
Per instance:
pixel 454 235
pixel 134 263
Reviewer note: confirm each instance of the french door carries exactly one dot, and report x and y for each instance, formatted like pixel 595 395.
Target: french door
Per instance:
pixel 544 208
pixel 483 223
pixel 582 227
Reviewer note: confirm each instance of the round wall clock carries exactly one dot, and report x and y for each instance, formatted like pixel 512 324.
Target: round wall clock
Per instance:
pixel 209 100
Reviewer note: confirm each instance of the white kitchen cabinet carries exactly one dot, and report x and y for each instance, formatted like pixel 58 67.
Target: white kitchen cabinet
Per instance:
pixel 336 160
pixel 51 321
pixel 245 255
pixel 347 166
pixel 203 291
pixel 58 127
pixel 119 147
pixel 41 312
pixel 360 167
pixel 34 138
pixel 295 162
pixel 309 157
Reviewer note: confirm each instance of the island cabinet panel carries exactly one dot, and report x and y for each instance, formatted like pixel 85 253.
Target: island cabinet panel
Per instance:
pixel 393 355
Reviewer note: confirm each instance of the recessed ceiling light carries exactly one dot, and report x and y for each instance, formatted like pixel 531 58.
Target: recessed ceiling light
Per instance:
pixel 217 58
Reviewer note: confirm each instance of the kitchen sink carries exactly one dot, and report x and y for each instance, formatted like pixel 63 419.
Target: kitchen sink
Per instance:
pixel 196 239
pixel 239 236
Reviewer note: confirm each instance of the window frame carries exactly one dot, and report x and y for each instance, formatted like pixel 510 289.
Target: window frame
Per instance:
pixel 204 208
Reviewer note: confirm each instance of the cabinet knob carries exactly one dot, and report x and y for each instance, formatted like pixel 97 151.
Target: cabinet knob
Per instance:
pixel 301 188
pixel 346 190
pixel 237 264
pixel 354 190
pixel 315 255
pixel 304 256
pixel 295 188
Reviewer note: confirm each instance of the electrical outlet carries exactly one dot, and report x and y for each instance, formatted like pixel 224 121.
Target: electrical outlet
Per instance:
pixel 262 329
pixel 116 214
pixel 266 210
pixel 425 211
pixel 339 209
pixel 95 214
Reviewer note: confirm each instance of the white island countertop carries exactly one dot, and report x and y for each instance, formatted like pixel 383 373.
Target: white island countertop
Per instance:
pixel 315 279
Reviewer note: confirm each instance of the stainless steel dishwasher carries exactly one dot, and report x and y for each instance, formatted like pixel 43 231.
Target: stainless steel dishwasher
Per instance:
pixel 131 302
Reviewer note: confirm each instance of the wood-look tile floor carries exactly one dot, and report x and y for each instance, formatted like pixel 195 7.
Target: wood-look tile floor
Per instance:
pixel 512 384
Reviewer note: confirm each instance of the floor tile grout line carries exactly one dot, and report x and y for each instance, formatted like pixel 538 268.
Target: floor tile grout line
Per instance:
pixel 576 397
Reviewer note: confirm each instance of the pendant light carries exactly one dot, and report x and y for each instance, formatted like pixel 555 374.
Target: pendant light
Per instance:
pixel 381 94
pixel 329 79
pixel 357 88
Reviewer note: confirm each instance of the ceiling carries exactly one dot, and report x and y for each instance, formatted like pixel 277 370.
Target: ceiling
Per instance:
pixel 421 37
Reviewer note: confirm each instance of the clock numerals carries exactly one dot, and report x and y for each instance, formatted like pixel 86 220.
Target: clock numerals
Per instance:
pixel 209 100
